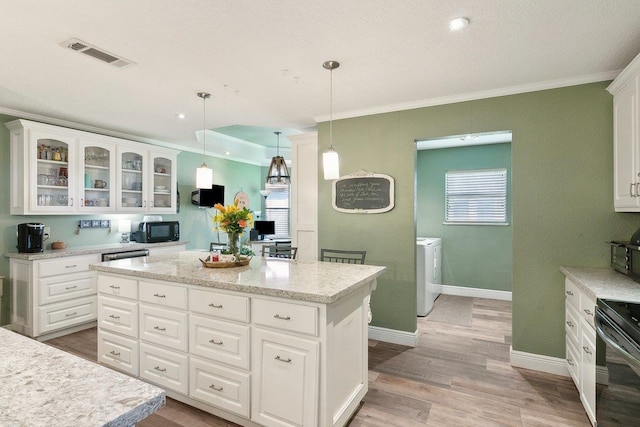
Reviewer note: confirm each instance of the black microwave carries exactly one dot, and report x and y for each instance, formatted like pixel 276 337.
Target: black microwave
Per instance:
pixel 156 232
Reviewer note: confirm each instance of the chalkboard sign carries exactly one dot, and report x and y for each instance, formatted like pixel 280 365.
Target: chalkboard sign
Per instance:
pixel 363 192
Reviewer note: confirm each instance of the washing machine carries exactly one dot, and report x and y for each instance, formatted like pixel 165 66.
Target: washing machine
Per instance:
pixel 429 272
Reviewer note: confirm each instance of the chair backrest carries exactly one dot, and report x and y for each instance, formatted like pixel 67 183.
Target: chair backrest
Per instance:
pixel 346 257
pixel 213 246
pixel 273 251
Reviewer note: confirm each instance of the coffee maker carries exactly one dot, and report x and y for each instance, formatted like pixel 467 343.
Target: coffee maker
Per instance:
pixel 31 237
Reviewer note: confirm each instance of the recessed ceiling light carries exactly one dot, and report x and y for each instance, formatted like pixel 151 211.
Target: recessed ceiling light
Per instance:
pixel 228 153
pixel 458 23
pixel 181 116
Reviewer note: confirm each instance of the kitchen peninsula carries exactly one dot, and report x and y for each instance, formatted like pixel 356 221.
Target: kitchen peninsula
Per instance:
pixel 274 343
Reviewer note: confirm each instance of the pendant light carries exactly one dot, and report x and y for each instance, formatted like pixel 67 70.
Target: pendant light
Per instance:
pixel 278 171
pixel 330 160
pixel 204 175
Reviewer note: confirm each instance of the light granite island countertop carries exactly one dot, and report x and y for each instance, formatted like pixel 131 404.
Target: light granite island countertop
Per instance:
pixel 43 386
pixel 276 342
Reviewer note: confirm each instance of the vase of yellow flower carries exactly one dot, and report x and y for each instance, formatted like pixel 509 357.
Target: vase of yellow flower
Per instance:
pixel 232 220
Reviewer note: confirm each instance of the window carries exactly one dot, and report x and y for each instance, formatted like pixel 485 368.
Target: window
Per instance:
pixel 476 197
pixel 277 208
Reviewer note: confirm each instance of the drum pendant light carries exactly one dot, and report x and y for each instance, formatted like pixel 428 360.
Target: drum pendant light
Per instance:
pixel 204 175
pixel 330 160
pixel 278 171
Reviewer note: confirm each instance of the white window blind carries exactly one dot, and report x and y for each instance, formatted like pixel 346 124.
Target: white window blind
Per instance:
pixel 277 208
pixel 476 196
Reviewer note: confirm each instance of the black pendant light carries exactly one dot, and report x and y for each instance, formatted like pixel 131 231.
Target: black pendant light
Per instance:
pixel 278 171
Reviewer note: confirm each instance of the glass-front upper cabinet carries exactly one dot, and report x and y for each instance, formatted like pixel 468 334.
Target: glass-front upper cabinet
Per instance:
pixel 53 172
pixel 132 183
pixel 97 189
pixel 163 191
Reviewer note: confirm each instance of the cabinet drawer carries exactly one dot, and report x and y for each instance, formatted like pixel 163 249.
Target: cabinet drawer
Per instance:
pixel 67 313
pixel 118 315
pixel 63 288
pixel 219 386
pixel 572 324
pixel 117 286
pixel 118 352
pixel 66 265
pixel 220 341
pixel 572 293
pixel 573 362
pixel 165 295
pixel 165 368
pixel 219 304
pixel 286 316
pixel 588 308
pixel 164 327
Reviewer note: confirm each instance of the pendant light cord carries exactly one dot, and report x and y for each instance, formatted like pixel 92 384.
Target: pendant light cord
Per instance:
pixel 204 132
pixel 331 108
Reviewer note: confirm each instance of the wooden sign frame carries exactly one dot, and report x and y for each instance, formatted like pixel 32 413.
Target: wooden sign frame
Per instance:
pixel 363 192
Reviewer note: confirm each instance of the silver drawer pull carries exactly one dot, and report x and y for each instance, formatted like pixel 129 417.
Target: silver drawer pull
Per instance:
pixel 586 349
pixel 586 310
pixel 159 369
pixel 215 306
pixel 159 296
pixel 569 293
pixel 277 316
pixel 158 328
pixel 71 287
pixel 70 266
pixel 114 287
pixel 570 362
pixel 287 360
pixel 115 353
pixel 213 386
pixel 570 323
pixel 213 341
pixel 71 314
pixel 114 317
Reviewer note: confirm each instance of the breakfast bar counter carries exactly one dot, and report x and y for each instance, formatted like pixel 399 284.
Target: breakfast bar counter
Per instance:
pixel 273 343
pixel 44 386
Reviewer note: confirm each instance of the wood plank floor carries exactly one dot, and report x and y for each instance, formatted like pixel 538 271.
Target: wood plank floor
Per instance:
pixel 455 376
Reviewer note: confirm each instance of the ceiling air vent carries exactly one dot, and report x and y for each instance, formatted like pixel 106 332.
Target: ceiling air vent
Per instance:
pixel 97 53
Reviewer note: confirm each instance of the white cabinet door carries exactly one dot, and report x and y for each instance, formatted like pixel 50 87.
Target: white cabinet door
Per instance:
pixel 588 371
pixel 97 177
pixel 285 380
pixel 162 191
pixel 131 179
pixel 626 150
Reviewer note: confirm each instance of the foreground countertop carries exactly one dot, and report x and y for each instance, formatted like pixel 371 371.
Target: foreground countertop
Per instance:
pixel 43 386
pixel 88 250
pixel 604 283
pixel 313 281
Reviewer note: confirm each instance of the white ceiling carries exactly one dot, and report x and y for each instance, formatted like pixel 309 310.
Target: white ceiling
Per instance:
pixel 262 60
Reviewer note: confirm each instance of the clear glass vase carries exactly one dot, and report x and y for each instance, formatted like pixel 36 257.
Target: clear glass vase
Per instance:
pixel 234 244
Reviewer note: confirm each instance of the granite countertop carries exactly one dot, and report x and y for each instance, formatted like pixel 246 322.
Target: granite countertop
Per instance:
pixel 87 250
pixel 604 283
pixel 44 386
pixel 313 281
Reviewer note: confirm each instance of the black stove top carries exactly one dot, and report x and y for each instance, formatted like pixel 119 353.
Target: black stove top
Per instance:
pixel 626 315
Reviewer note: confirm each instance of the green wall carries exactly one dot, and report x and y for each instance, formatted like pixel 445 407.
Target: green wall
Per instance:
pixel 472 255
pixel 196 225
pixel 562 206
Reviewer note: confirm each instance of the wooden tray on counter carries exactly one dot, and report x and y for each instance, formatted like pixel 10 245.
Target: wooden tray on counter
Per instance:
pixel 217 264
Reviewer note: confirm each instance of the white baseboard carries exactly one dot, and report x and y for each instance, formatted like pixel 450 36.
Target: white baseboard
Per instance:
pixel 473 292
pixel 551 365
pixel 393 336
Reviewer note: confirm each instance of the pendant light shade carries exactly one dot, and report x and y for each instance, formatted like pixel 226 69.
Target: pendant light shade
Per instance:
pixel 204 175
pixel 278 170
pixel 330 160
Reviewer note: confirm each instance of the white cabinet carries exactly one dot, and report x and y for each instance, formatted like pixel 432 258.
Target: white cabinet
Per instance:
pixel 580 344
pixel 626 138
pixel 58 171
pixel 54 296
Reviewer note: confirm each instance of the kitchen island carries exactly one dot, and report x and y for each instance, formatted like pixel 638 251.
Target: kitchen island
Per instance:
pixel 275 343
pixel 44 386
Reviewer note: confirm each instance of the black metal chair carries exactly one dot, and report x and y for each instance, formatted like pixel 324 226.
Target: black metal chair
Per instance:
pixel 346 257
pixel 273 251
pixel 213 246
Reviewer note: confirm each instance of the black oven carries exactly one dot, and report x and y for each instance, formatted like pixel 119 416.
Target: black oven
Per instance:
pixel 618 402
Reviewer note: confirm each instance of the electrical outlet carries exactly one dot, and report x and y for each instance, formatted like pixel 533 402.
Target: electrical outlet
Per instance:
pixel 47 230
